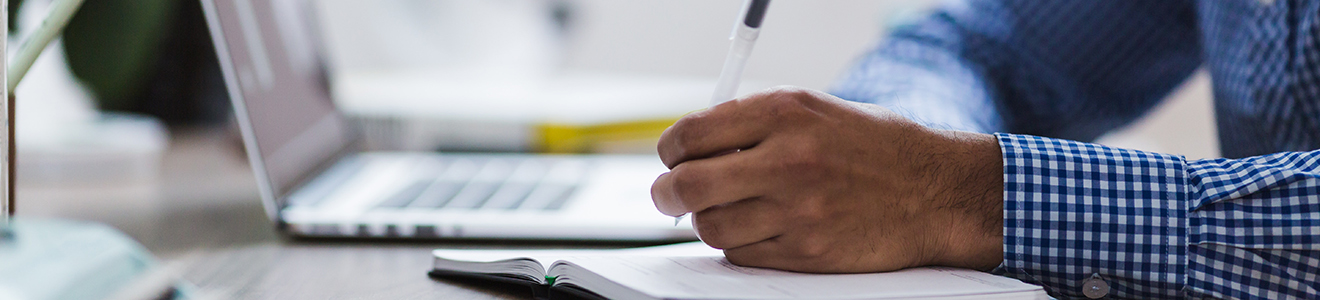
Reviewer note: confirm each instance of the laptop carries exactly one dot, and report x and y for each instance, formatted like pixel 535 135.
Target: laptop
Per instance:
pixel 315 181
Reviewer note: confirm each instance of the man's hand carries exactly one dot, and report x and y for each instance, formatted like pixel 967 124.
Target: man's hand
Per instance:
pixel 799 180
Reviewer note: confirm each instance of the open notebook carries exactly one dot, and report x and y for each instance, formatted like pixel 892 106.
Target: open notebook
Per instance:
pixel 695 271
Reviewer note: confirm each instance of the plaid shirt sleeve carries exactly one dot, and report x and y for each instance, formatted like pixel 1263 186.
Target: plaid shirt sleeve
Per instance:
pixel 1146 225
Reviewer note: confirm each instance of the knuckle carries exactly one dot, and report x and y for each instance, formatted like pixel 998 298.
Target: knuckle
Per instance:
pixel 711 232
pixel 790 90
pixel 796 95
pixel 787 101
pixel 805 156
pixel 812 248
pixel 742 258
pixel 811 210
pixel 805 161
pixel 689 184
pixel 679 138
pixel 659 197
pixel 784 101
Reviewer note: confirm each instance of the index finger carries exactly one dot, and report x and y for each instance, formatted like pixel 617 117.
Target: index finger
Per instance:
pixel 724 128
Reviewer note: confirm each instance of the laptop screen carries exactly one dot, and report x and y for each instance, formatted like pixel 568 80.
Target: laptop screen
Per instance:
pixel 276 81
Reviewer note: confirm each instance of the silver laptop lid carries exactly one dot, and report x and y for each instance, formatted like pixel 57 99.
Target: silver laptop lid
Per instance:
pixel 277 85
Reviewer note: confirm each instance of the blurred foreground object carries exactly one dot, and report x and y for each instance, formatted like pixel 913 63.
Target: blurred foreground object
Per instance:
pixel 152 57
pixel 7 113
pixel 73 159
pixel 47 259
pixel 52 259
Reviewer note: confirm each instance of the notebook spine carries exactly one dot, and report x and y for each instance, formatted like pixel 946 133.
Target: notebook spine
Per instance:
pixel 558 292
pixel 539 291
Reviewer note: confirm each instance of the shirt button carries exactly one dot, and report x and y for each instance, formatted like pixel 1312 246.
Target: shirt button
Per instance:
pixel 1095 287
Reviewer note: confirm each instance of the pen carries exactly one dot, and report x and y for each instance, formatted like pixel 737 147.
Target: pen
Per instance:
pixel 745 31
pixel 743 38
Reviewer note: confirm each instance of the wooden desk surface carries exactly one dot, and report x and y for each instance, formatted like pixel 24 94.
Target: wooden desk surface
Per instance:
pixel 204 218
pixel 329 271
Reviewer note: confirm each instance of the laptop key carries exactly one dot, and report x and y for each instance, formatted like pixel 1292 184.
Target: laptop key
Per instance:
pixel 327 183
pixel 509 196
pixel 406 195
pixel 546 195
pixel 483 184
pixel 557 186
pixel 559 202
pixel 518 184
pixel 437 194
pixel 473 195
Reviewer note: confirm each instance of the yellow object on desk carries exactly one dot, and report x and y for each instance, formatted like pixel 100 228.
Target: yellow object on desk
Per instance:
pixel 577 138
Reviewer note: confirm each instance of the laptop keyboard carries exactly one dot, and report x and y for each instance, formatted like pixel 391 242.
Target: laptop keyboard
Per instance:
pixel 492 183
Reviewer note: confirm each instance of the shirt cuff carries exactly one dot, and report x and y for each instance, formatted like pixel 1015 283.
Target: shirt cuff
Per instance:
pixel 1075 212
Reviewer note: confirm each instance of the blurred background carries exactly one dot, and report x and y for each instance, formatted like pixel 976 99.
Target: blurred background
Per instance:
pixel 126 121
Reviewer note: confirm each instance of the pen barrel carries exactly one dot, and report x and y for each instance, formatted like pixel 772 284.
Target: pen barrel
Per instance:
pixel 727 86
pixel 731 75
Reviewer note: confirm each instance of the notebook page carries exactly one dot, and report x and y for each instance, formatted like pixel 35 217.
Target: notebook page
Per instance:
pixel 545 257
pixel 548 256
pixel 713 277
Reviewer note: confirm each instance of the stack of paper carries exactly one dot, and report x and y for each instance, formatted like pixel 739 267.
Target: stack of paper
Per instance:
pixel 695 271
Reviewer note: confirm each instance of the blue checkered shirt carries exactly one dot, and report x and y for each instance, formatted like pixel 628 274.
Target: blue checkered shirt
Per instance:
pixel 1147 225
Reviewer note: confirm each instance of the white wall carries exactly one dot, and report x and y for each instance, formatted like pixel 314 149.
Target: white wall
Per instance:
pixel 809 43
pixel 806 43
pixel 803 42
pixel 1183 124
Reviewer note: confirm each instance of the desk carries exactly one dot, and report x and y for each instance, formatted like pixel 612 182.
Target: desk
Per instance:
pixel 285 270
pixel 207 222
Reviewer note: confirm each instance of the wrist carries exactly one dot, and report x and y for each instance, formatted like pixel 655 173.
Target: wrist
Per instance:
pixel 970 184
